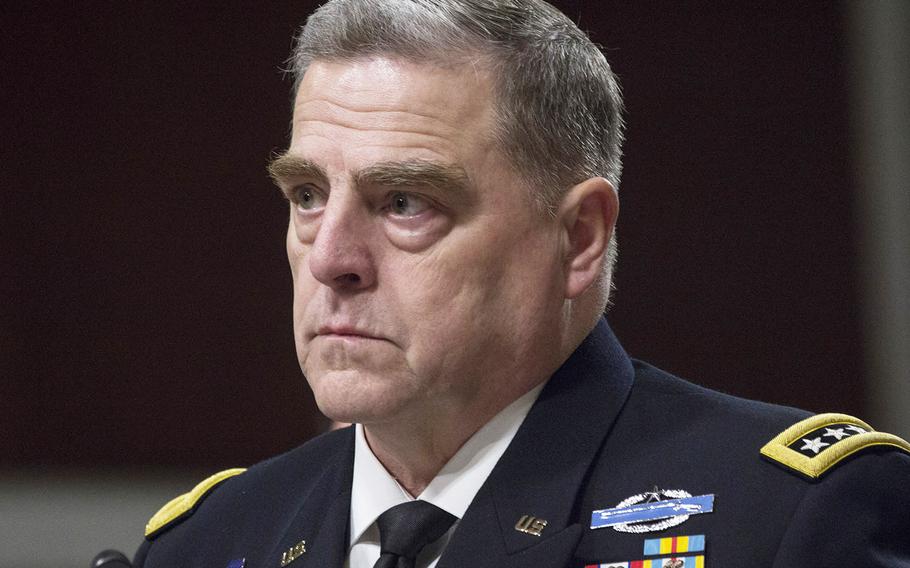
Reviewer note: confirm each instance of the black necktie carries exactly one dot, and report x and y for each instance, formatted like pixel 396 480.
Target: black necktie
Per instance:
pixel 406 528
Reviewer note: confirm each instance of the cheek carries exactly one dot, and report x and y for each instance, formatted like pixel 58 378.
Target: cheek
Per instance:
pixel 458 296
pixel 295 249
pixel 304 286
pixel 508 282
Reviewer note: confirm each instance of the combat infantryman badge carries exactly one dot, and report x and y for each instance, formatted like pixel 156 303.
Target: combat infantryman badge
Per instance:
pixel 652 511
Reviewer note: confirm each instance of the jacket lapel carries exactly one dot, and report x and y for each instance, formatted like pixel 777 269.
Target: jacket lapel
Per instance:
pixel 321 522
pixel 538 478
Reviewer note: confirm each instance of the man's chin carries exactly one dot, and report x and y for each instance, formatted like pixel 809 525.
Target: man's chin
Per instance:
pixel 352 413
pixel 353 396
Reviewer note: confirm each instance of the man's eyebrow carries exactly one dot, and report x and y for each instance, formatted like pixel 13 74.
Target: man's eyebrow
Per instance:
pixel 408 173
pixel 286 166
pixel 414 173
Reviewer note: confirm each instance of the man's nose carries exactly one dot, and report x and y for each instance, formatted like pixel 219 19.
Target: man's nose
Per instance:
pixel 341 255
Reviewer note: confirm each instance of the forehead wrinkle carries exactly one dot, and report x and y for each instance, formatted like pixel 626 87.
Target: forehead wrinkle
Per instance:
pixel 368 129
pixel 377 118
pixel 374 106
pixel 310 145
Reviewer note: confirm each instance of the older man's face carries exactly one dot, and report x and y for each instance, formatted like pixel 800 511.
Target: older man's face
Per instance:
pixel 425 283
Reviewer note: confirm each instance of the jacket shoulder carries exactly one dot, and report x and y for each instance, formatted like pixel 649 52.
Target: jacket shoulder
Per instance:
pixel 854 513
pixel 182 506
pixel 290 469
pixel 721 416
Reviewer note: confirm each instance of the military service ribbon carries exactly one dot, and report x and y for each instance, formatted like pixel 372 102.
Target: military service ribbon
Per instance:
pixel 675 562
pixel 674 544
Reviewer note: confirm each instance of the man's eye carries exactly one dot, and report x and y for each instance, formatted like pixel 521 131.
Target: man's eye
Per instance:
pixel 306 198
pixel 407 205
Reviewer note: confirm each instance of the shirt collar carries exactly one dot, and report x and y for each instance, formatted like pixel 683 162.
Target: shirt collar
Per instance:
pixel 454 487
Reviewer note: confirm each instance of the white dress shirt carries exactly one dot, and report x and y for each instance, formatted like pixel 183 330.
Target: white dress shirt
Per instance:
pixel 374 490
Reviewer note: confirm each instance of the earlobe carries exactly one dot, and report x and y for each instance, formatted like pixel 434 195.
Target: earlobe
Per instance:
pixel 588 215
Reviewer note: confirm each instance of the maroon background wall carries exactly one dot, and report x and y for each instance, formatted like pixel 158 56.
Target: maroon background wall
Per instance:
pixel 144 297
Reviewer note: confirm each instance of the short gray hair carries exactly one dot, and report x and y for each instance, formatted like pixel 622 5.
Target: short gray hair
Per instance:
pixel 558 104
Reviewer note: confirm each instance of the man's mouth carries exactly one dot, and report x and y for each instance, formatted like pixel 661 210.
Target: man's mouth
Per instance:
pixel 345 331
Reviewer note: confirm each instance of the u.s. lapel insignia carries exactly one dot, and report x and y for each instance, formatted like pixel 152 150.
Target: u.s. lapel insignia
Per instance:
pixel 293 553
pixel 237 563
pixel 530 525
pixel 652 511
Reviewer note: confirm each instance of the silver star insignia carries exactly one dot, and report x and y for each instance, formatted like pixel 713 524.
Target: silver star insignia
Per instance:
pixel 836 433
pixel 857 429
pixel 815 444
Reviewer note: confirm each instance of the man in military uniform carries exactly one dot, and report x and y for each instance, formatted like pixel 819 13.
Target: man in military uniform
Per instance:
pixel 452 179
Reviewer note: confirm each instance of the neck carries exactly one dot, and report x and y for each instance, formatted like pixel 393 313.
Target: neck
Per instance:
pixel 413 451
pixel 414 448
pixel 412 468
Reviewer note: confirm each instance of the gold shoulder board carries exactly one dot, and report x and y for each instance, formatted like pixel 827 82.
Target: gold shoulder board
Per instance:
pixel 182 506
pixel 816 444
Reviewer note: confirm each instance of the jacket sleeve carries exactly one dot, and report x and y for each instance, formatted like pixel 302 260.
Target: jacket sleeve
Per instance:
pixel 858 515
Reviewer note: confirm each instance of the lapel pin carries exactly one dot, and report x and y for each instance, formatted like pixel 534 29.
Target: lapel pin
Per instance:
pixel 652 511
pixel 237 563
pixel 530 525
pixel 293 553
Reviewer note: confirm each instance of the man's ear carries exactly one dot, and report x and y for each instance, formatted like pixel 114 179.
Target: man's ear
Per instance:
pixel 587 216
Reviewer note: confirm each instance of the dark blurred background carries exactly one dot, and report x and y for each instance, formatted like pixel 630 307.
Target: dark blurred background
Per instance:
pixel 144 294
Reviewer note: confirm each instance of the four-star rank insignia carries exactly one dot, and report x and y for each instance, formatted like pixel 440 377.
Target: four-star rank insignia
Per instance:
pixel 815 445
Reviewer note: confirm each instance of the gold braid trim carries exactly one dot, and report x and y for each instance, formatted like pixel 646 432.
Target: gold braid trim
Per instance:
pixel 814 467
pixel 179 506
